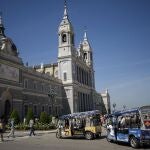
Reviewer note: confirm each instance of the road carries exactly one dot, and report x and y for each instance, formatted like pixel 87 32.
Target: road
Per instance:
pixel 49 142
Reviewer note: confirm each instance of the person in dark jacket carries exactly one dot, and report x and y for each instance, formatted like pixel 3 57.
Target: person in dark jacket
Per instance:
pixel 1 129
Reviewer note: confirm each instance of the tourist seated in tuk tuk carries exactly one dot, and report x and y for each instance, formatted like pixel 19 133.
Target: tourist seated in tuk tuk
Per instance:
pixel 67 123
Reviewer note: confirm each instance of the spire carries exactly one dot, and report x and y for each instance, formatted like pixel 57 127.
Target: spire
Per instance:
pixel 85 40
pixel 65 10
pixel 106 91
pixel 85 35
pixel 0 19
pixel 42 65
pixel 1 25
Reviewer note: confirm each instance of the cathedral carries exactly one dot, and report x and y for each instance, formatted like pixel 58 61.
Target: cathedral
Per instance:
pixel 63 87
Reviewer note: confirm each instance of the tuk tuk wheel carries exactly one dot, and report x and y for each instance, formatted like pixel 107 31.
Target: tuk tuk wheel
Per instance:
pixel 89 135
pixel 58 135
pixel 134 142
pixel 98 135
pixel 109 140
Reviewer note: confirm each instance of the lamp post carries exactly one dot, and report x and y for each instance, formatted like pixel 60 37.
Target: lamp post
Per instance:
pixel 124 107
pixel 52 95
pixel 114 105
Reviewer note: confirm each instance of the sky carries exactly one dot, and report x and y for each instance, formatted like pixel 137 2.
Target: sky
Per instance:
pixel 118 31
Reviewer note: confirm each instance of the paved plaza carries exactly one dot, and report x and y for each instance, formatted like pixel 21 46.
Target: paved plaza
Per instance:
pixel 48 141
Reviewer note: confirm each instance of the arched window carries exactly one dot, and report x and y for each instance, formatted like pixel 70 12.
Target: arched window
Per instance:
pixel 43 108
pixel 56 73
pixel 85 55
pixel 26 83
pixel 73 39
pixel 65 76
pixel 64 38
pixel 42 87
pixel 34 86
pixel 25 110
pixel 91 56
pixel 35 110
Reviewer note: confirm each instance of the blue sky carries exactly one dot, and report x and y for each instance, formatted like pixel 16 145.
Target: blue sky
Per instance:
pixel 118 30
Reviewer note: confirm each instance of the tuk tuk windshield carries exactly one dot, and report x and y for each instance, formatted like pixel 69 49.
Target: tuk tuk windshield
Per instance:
pixel 145 111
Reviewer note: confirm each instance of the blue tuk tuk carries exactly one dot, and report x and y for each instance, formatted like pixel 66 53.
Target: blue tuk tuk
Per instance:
pixel 131 126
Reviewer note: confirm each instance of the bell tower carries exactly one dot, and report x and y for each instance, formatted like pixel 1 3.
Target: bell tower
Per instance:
pixel 66 49
pixel 87 51
pixel 88 57
pixel 66 57
pixel 65 36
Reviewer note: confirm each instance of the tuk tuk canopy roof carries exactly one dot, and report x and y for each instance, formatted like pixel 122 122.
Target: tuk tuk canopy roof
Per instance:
pixel 123 112
pixel 80 114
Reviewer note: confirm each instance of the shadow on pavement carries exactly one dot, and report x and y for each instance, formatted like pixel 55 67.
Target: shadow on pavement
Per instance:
pixel 82 138
pixel 127 145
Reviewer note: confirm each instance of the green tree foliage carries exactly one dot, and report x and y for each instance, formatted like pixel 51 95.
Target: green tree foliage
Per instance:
pixel 44 118
pixel 50 118
pixel 14 115
pixel 29 115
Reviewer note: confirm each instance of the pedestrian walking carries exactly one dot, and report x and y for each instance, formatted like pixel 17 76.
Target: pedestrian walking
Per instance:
pixel 31 125
pixel 1 129
pixel 24 121
pixel 12 129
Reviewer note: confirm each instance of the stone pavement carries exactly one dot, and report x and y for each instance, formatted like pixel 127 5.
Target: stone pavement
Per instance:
pixel 23 133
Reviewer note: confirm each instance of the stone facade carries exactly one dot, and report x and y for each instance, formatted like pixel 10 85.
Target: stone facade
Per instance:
pixel 22 87
pixel 64 87
pixel 106 102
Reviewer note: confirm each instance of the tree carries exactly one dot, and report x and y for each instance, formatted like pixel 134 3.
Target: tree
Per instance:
pixel 29 115
pixel 44 118
pixel 14 115
pixel 50 118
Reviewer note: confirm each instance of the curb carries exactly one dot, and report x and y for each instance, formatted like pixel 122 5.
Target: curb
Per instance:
pixel 27 133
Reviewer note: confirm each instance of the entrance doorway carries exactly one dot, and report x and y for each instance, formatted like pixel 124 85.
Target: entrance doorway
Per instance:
pixel 7 109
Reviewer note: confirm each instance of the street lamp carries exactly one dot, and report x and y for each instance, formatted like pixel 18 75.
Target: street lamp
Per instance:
pixel 52 95
pixel 114 105
pixel 124 107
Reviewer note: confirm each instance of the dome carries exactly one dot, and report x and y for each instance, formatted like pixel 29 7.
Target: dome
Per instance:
pixel 7 46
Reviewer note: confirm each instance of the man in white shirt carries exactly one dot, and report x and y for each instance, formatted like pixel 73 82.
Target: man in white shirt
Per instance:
pixel 111 130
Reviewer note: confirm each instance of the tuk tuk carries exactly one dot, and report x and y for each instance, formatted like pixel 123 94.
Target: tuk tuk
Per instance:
pixel 85 124
pixel 131 126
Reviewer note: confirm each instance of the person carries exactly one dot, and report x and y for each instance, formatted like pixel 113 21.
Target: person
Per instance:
pixel 123 122
pixel 1 129
pixel 110 128
pixel 102 119
pixel 12 129
pixel 91 121
pixel 24 121
pixel 60 128
pixel 31 125
pixel 67 123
